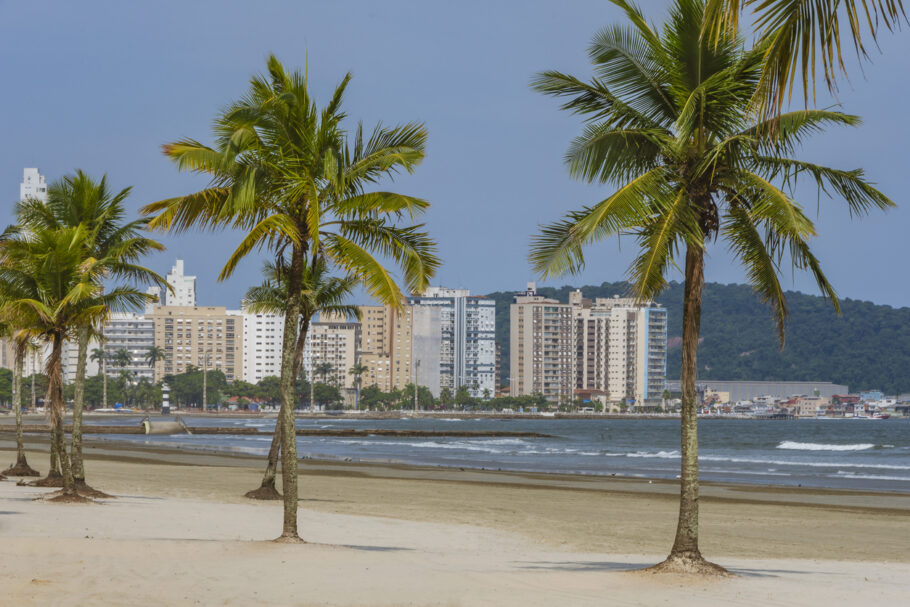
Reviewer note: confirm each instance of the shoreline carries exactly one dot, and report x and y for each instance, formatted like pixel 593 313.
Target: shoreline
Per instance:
pixel 181 455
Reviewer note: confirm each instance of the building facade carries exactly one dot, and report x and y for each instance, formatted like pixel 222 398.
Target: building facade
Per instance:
pixel 330 350
pixel 263 334
pixel 207 337
pixel 33 185
pixel 621 348
pixel 385 346
pixel 542 348
pixel 611 348
pixel 133 333
pixel 467 339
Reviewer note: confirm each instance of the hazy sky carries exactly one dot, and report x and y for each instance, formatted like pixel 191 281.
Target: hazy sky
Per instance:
pixel 101 85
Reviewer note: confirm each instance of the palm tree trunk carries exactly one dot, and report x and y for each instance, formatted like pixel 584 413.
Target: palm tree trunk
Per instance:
pixel 78 398
pixel 285 425
pixel 55 400
pixel 103 384
pixel 267 490
pixel 685 556
pixel 21 467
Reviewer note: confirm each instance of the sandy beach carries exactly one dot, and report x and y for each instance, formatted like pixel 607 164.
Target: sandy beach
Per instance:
pixel 179 533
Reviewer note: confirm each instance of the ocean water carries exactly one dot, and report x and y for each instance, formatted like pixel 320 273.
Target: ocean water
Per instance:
pixel 843 454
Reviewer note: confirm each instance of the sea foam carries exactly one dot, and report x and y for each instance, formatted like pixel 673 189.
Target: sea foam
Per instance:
pixel 792 445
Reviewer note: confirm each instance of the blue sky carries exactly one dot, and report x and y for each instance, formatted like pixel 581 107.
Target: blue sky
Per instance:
pixel 101 85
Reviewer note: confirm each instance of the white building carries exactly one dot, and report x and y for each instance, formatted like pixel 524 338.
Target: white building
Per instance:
pixel 467 328
pixel 262 340
pixel 33 185
pixel 184 288
pixel 134 333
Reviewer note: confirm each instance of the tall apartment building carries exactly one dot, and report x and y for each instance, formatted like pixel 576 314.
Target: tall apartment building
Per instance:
pixel 263 334
pixel 184 288
pixel 542 347
pixel 467 331
pixel 334 342
pixel 621 348
pixel 33 185
pixel 201 336
pixel 131 332
pixel 385 346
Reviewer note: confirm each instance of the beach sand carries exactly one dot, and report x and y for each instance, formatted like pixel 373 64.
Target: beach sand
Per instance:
pixel 179 533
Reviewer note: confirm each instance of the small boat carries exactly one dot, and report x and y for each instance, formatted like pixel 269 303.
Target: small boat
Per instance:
pixel 880 415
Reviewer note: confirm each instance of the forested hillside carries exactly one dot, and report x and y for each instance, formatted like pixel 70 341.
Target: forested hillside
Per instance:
pixel 868 346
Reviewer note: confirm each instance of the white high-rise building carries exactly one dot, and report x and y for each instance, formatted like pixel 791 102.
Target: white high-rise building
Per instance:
pixel 184 288
pixel 467 342
pixel 333 342
pixel 33 185
pixel 263 334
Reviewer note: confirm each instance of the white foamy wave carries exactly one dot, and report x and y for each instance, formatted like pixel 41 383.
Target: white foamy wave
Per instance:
pixel 873 477
pixel 824 447
pixel 658 455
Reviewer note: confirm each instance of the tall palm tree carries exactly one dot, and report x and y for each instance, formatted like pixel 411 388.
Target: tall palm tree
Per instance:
pixel 283 172
pixel 320 293
pixel 153 355
pixel 357 371
pixel 668 122
pixel 52 289
pixel 78 200
pixel 100 356
pixel 798 31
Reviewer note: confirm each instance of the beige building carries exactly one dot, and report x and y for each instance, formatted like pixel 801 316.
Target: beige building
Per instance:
pixel 385 346
pixel 620 347
pixel 542 353
pixel 334 342
pixel 201 336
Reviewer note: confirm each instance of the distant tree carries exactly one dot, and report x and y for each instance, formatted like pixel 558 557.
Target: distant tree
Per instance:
pixel 445 397
pixel 463 396
pixel 153 355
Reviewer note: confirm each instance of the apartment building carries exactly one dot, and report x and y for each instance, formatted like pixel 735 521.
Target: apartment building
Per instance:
pixel 263 335
pixel 198 336
pixel 133 333
pixel 330 350
pixel 467 344
pixel 385 346
pixel 542 347
pixel 620 347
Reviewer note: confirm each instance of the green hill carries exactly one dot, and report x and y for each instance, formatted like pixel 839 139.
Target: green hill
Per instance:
pixel 867 347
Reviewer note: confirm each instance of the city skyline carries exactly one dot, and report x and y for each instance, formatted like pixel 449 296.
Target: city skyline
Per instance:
pixel 479 208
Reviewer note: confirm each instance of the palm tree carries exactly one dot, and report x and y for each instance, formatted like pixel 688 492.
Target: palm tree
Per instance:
pixel 668 122
pixel 323 369
pixel 78 200
pixel 153 355
pixel 20 345
pixel 122 358
pixel 320 293
pixel 796 31
pixel 357 371
pixel 100 356
pixel 283 172
pixel 52 289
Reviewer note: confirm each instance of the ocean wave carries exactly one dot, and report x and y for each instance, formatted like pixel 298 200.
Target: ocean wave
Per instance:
pixel 871 477
pixel 795 446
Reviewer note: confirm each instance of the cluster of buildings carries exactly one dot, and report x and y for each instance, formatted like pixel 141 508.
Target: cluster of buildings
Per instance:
pixel 822 400
pixel 445 339
pixel 607 350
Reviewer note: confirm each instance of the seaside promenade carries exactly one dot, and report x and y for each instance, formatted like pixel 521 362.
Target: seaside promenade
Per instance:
pixel 179 533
